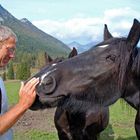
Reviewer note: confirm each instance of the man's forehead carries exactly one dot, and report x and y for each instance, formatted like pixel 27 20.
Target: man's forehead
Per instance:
pixel 11 42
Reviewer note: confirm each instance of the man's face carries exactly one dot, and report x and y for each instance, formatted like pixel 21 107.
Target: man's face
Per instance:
pixel 7 50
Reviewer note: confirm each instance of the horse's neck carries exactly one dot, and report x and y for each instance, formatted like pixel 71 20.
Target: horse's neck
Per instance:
pixel 131 94
pixel 132 90
pixel 133 100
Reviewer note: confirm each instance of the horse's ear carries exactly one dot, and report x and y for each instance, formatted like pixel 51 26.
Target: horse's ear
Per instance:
pixel 48 59
pixel 134 34
pixel 73 53
pixel 107 34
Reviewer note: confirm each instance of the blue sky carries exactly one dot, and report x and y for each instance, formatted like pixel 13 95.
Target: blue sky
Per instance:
pixel 77 20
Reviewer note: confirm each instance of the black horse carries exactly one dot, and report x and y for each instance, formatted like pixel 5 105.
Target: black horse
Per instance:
pixel 97 78
pixel 78 125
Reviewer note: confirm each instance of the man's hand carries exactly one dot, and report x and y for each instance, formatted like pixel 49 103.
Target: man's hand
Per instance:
pixel 27 93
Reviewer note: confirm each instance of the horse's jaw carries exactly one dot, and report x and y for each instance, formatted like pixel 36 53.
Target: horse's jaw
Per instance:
pixel 50 101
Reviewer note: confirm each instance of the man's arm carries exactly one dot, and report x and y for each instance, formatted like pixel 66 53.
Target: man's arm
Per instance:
pixel 10 118
pixel 27 96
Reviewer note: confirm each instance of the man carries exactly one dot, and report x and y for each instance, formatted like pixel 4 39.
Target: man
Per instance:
pixel 27 92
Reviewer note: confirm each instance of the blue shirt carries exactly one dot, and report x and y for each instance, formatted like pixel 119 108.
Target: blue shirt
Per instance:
pixel 4 107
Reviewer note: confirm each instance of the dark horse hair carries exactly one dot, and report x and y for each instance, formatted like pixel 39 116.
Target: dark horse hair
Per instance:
pixel 124 66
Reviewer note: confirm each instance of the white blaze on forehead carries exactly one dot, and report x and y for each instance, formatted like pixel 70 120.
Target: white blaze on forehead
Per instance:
pixel 54 64
pixel 103 46
pixel 46 74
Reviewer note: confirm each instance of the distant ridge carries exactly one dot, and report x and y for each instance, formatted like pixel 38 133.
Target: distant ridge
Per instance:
pixel 30 38
pixel 81 48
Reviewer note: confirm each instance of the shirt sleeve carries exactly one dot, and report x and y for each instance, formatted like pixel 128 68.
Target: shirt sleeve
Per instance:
pixel 0 100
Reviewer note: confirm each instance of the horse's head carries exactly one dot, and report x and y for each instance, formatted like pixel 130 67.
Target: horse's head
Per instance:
pixel 96 77
pixel 49 62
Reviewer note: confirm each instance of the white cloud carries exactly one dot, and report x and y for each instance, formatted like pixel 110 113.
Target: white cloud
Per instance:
pixel 121 12
pixel 90 29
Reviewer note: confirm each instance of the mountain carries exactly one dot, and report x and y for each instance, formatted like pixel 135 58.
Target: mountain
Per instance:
pixel 81 48
pixel 32 39
pixel 76 45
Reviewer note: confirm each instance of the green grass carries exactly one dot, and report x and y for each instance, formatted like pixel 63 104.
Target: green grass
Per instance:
pixel 12 88
pixel 35 135
pixel 121 126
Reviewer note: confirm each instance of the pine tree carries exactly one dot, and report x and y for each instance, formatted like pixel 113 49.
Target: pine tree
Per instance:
pixel 23 71
pixel 40 61
pixel 10 73
pixel 4 76
pixel 18 72
pixel 26 71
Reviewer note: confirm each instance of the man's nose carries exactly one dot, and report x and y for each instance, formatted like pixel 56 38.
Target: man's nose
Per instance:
pixel 12 55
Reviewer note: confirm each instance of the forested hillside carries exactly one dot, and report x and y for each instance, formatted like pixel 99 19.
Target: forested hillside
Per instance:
pixel 32 43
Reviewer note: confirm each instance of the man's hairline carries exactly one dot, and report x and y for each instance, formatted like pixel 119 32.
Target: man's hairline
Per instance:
pixel 3 41
pixel 9 33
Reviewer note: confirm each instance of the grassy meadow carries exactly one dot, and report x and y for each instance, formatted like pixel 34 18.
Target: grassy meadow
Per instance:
pixel 121 126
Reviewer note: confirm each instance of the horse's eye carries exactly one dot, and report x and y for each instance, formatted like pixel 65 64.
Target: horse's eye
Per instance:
pixel 48 81
pixel 111 57
pixel 48 84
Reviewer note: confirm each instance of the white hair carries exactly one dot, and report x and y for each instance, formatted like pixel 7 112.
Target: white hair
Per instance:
pixel 5 33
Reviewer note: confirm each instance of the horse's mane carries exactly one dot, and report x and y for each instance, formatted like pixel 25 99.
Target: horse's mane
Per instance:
pixel 124 60
pixel 124 64
pixel 136 64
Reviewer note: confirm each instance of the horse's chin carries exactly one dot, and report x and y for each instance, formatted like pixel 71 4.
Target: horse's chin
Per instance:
pixel 39 107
